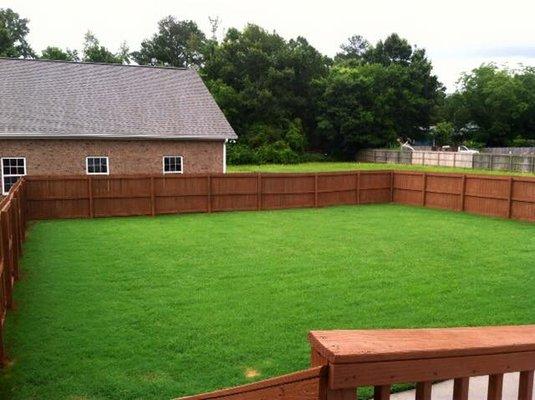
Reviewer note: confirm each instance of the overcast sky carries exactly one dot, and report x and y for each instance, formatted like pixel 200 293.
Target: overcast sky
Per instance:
pixel 458 35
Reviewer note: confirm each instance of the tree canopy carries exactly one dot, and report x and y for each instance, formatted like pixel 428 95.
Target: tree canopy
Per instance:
pixel 13 32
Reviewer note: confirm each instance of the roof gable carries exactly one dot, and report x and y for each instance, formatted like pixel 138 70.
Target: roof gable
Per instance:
pixel 66 99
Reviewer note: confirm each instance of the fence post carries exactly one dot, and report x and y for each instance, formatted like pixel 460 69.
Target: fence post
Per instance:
pixel 152 203
pixel 374 156
pixel 6 258
pixel 391 186
pixel 316 189
pixel 357 187
pixel 259 191
pixel 90 196
pixel 463 190
pixel 209 183
pixel 510 162
pixel 510 198
pixel 424 187
pixel 492 162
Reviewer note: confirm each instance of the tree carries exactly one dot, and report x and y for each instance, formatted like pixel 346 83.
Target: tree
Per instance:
pixel 353 50
pixel 95 52
pixel 392 50
pixel 13 32
pixel 376 94
pixel 55 53
pixel 177 43
pixel 264 84
pixel 498 105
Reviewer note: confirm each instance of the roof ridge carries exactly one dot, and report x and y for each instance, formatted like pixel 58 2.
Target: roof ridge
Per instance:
pixel 45 60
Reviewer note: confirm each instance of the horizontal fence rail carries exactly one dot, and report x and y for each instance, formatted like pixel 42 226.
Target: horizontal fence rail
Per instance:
pixel 343 361
pixel 12 234
pixel 87 197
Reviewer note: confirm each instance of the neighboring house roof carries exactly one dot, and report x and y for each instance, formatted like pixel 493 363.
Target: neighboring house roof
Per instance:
pixel 69 99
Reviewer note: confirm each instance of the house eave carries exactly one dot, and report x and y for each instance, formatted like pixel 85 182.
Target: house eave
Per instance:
pixel 33 135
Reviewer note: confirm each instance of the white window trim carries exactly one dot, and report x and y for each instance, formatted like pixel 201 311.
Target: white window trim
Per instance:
pixel 9 175
pixel 173 172
pixel 97 173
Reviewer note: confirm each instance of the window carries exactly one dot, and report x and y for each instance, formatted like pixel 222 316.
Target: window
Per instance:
pixel 97 166
pixel 12 170
pixel 172 165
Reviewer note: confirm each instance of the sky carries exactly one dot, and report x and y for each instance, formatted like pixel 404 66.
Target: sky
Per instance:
pixel 458 35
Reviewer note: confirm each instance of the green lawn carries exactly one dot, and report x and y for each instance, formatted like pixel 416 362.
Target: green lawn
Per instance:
pixel 348 166
pixel 151 308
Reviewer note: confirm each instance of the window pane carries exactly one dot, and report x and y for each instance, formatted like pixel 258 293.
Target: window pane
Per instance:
pixel 173 164
pixel 97 165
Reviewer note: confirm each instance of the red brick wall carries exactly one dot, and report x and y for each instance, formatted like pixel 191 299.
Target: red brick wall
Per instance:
pixel 67 157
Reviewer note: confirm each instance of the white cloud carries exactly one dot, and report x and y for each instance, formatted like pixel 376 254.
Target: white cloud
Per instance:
pixel 458 35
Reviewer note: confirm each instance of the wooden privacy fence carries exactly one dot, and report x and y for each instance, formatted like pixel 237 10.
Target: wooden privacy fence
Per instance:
pixel 12 234
pixel 343 361
pixel 86 197
pixel 61 197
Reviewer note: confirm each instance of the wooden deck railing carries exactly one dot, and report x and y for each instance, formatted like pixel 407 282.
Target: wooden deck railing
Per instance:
pixel 12 234
pixel 343 361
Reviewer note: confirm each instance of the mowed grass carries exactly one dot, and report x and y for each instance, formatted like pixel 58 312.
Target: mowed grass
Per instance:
pixel 350 166
pixel 154 308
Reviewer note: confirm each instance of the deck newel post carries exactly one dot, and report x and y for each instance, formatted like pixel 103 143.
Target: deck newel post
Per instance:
pixel 152 205
pixel 90 196
pixel 316 189
pixel 209 187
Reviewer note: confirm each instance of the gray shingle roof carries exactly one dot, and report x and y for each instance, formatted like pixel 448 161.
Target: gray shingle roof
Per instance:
pixel 65 99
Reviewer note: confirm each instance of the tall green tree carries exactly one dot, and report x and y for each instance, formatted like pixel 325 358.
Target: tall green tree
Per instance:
pixel 13 32
pixel 376 94
pixel 177 43
pixel 264 84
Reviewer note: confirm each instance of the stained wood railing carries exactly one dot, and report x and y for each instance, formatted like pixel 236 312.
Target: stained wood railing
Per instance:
pixel 12 234
pixel 343 361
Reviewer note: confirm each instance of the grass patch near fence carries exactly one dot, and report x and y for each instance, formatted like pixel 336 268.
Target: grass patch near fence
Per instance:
pixel 350 166
pixel 154 308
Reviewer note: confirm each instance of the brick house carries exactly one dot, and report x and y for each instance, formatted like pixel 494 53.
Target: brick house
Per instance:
pixel 66 118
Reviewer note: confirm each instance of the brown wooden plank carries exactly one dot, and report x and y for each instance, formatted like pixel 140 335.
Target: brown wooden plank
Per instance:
pixel 525 386
pixel 423 390
pixel 495 387
pixel 389 372
pixel 460 388
pixel 347 346
pixel 381 392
